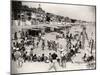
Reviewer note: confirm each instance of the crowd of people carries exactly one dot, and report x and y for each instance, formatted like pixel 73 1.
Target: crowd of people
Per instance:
pixel 25 45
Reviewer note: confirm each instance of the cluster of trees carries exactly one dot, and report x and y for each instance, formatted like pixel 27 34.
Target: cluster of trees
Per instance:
pixel 18 8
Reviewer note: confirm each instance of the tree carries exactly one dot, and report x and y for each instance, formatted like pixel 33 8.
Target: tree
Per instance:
pixel 73 20
pixel 16 8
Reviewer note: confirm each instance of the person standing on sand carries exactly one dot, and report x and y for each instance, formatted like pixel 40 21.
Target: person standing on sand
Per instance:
pixel 54 61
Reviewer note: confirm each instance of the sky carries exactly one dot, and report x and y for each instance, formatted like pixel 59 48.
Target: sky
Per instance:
pixel 86 13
